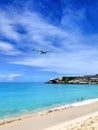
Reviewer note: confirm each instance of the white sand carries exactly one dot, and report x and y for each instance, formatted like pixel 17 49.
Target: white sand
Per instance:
pixel 58 119
pixel 88 122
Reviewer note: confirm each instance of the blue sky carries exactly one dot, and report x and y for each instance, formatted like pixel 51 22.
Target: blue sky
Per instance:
pixel 68 29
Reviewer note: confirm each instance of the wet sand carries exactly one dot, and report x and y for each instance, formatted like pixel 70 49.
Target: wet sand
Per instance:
pixel 57 119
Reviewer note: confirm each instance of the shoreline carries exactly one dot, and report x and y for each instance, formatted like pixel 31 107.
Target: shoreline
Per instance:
pixel 55 119
pixel 48 111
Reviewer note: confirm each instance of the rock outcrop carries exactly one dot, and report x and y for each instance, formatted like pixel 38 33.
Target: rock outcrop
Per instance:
pixel 89 79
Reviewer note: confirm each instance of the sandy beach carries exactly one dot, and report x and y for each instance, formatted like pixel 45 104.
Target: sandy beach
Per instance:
pixel 70 118
pixel 88 122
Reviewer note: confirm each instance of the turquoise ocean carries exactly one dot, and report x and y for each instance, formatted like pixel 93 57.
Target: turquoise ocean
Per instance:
pixel 24 98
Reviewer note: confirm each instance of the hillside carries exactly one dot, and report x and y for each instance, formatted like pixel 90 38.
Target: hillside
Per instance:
pixel 88 79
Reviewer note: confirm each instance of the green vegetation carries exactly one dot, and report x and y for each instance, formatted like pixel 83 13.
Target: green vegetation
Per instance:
pixel 89 79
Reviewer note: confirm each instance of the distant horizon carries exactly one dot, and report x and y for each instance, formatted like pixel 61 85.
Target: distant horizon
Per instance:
pixel 67 30
pixel 47 80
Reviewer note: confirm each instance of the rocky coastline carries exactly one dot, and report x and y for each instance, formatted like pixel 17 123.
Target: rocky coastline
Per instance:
pixel 88 79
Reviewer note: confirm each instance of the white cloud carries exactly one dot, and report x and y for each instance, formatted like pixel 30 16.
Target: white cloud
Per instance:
pixel 9 77
pixel 6 26
pixel 13 76
pixel 38 30
pixel 76 52
pixel 8 49
pixel 79 62
pixel 2 76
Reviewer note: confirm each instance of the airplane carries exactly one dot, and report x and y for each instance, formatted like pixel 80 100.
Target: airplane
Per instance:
pixel 41 51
